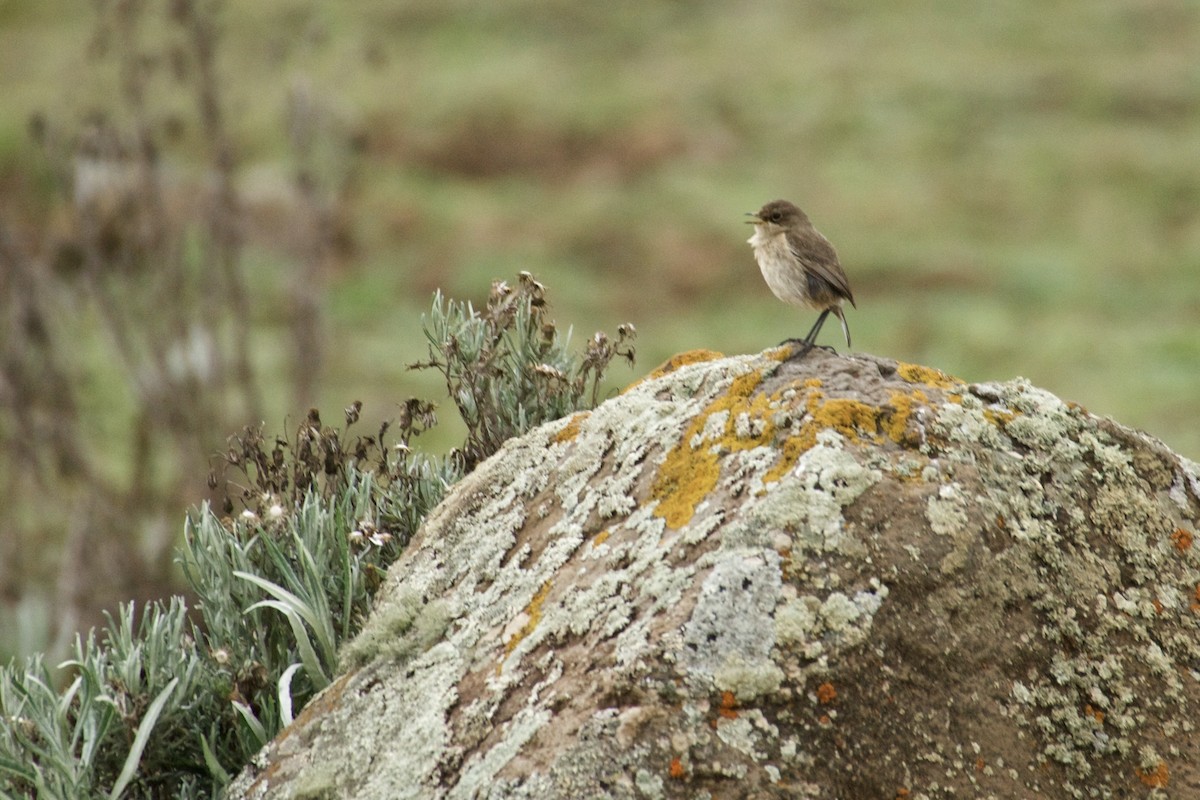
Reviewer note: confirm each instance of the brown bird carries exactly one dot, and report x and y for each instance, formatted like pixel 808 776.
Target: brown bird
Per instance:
pixel 800 265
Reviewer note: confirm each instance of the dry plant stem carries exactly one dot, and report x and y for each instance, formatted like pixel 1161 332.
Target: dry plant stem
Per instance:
pixel 313 227
pixel 136 237
pixel 223 220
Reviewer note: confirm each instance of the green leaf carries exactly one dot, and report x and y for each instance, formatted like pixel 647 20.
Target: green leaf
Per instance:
pixel 256 727
pixel 210 760
pixel 308 654
pixel 141 738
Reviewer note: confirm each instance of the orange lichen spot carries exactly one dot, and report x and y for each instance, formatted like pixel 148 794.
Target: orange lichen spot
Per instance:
pixel 825 720
pixel 675 362
pixel 1094 713
pixel 826 694
pixel 979 765
pixel 1196 599
pixel 902 792
pixel 571 429
pixel 1182 539
pixel 677 770
pixel 1158 606
pixel 600 538
pixel 534 610
pixel 1156 778
pixel 915 373
pixel 728 707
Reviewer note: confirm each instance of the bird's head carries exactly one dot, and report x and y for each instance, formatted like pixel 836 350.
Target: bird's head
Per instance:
pixel 778 215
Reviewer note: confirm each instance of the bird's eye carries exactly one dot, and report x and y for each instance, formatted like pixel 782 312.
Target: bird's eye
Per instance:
pixel 776 216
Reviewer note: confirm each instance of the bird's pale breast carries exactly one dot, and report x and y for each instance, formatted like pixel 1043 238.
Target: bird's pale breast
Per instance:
pixel 781 270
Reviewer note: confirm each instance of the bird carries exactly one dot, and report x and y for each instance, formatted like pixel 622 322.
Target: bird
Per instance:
pixel 799 265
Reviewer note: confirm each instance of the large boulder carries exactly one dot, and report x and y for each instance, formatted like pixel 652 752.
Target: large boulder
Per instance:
pixel 749 577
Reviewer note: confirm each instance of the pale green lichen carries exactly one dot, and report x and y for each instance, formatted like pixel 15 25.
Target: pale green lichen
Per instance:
pixel 399 630
pixel 946 512
pixel 742 735
pixel 649 784
pixel 796 622
pixel 748 679
pixel 481 769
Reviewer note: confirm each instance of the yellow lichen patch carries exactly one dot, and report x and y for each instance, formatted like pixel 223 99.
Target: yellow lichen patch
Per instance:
pixel 779 353
pixel 847 417
pixel 600 538
pixel 571 429
pixel 999 418
pixel 685 478
pixel 690 471
pixel 915 373
pixel 851 418
pixel 741 388
pixel 792 448
pixel 895 424
pixel 534 612
pixel 692 467
pixel 675 362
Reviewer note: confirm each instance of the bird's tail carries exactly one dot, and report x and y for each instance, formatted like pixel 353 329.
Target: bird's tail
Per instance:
pixel 842 318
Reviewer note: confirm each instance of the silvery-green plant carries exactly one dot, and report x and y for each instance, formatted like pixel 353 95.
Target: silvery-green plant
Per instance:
pixel 173 701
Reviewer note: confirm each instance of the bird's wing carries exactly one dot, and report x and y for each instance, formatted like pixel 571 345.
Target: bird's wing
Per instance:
pixel 820 259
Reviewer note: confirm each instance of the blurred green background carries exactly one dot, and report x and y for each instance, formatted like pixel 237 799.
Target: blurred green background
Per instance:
pixel 1013 187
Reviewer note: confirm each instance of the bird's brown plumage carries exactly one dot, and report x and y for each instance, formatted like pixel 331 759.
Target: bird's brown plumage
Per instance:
pixel 800 265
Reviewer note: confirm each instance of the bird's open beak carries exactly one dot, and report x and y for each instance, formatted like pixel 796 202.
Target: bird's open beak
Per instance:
pixel 754 221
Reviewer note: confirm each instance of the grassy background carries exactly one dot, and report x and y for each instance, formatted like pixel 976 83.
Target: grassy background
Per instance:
pixel 1013 189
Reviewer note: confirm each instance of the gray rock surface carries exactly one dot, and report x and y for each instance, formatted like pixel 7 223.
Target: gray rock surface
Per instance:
pixel 746 577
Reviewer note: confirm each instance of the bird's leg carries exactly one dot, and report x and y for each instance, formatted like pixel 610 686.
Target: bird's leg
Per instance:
pixel 809 340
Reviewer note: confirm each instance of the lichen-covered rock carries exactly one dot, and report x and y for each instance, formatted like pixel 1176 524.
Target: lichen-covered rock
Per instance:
pixel 839 577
